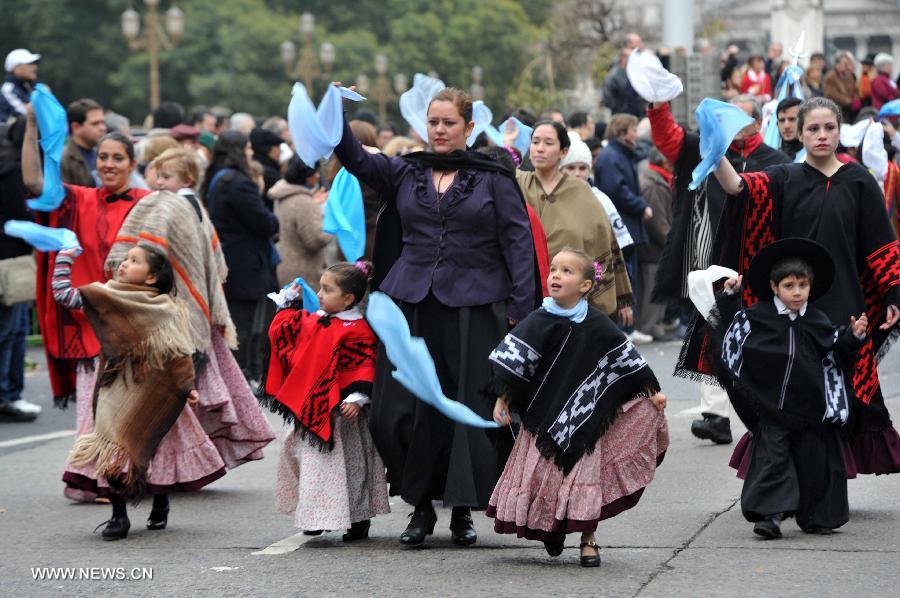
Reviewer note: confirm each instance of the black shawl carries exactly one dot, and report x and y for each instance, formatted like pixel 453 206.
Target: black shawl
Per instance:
pixel 568 380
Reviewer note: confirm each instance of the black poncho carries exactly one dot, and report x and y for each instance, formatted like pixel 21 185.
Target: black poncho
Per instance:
pixel 568 380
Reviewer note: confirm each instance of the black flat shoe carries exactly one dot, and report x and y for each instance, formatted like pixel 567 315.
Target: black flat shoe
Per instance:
pixel 312 532
pixel 819 531
pixel 768 529
pixel 357 531
pixel 421 524
pixel 158 519
pixel 555 547
pixel 462 528
pixel 590 560
pixel 712 427
pixel 116 528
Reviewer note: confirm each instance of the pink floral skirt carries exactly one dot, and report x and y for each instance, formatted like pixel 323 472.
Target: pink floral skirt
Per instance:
pixel 185 460
pixel 228 411
pixel 330 490
pixel 534 499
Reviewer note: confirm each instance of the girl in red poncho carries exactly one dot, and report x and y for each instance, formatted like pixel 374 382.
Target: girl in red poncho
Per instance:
pixel 319 378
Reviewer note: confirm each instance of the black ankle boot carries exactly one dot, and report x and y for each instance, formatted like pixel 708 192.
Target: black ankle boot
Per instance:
pixel 118 525
pixel 712 427
pixel 462 528
pixel 357 531
pixel 159 514
pixel 421 524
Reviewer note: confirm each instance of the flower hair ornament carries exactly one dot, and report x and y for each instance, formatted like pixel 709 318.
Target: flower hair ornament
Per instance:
pixel 364 267
pixel 598 271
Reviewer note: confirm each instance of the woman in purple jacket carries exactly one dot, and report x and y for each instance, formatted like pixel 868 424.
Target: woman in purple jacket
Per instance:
pixel 454 249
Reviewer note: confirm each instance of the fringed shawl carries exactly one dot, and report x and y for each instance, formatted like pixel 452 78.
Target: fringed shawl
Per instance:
pixel 569 380
pixel 146 374
pixel 170 223
pixel 315 363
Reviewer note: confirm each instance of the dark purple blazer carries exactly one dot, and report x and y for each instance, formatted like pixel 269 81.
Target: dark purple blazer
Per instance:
pixel 473 247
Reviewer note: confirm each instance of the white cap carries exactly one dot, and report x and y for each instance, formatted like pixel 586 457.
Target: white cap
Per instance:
pixel 882 59
pixel 20 56
pixel 579 152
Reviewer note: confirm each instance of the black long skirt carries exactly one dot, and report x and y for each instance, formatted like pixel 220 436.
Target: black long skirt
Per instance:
pixel 428 456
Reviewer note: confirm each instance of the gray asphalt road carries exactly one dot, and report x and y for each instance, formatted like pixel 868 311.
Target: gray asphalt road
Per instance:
pixel 686 537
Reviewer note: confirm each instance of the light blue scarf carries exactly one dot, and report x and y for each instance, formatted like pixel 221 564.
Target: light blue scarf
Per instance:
pixel 523 138
pixel 577 313
pixel 414 107
pixel 344 215
pixel 316 131
pixel 719 123
pixel 42 238
pixel 53 127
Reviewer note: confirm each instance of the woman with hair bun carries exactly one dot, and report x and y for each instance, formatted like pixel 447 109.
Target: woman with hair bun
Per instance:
pixel 454 249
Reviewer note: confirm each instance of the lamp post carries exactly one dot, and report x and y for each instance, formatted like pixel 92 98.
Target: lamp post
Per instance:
pixel 477 87
pixel 307 68
pixel 383 92
pixel 153 38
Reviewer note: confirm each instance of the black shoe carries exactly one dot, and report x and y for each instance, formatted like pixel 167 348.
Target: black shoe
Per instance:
pixel 421 524
pixel 712 427
pixel 555 546
pixel 158 519
pixel 462 528
pixel 770 529
pixel 116 528
pixel 312 532
pixel 11 412
pixel 358 531
pixel 590 560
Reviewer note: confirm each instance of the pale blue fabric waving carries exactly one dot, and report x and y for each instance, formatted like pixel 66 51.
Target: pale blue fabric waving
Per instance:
pixel 53 127
pixel 414 102
pixel 482 117
pixel 577 313
pixel 42 238
pixel 788 83
pixel 345 217
pixel 891 108
pixel 316 131
pixel 415 367
pixel 523 136
pixel 719 123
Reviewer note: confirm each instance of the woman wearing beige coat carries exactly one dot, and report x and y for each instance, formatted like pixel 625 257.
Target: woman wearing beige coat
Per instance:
pixel 301 244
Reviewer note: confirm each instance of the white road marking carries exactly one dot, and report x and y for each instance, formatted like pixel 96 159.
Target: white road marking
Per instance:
pixel 289 544
pixel 36 438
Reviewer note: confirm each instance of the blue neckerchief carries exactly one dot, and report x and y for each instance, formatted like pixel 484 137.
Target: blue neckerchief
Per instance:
pixel 53 127
pixel 316 131
pixel 577 313
pixel 345 215
pixel 719 123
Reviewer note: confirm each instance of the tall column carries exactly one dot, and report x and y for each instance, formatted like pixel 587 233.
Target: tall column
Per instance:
pixel 862 46
pixel 678 24
pixel 790 18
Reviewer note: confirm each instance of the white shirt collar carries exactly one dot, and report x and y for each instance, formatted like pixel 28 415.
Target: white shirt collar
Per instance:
pixel 351 314
pixel 185 191
pixel 783 309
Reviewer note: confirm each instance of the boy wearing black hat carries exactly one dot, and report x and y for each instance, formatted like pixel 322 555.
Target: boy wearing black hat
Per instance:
pixel 788 372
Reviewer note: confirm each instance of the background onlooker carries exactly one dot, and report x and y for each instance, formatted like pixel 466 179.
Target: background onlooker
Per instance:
pixel 884 89
pixel 840 86
pixel 757 81
pixel 21 68
pixel 656 188
pixel 618 94
pixel 266 150
pixel 87 125
pixel 14 319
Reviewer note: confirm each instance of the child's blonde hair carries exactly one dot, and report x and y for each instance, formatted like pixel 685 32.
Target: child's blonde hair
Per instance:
pixel 180 162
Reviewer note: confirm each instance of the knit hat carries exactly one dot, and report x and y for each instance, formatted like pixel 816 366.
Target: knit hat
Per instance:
pixel 207 140
pixel 882 59
pixel 579 152
pixel 262 140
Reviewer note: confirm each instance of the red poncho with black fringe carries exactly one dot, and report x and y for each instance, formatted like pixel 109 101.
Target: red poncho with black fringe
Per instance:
pixel 316 361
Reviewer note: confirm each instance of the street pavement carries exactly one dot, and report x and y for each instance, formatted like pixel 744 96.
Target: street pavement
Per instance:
pixel 686 537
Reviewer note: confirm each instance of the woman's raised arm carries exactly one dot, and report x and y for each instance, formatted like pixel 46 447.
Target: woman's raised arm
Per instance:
pixel 728 177
pixel 32 169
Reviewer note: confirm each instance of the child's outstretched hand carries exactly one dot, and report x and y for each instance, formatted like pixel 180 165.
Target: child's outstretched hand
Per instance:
pixel 193 398
pixel 72 252
pixel 733 285
pixel 859 325
pixel 349 410
pixel 659 401
pixel 501 412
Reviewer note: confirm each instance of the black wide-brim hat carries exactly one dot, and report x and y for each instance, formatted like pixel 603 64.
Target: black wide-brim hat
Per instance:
pixel 818 258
